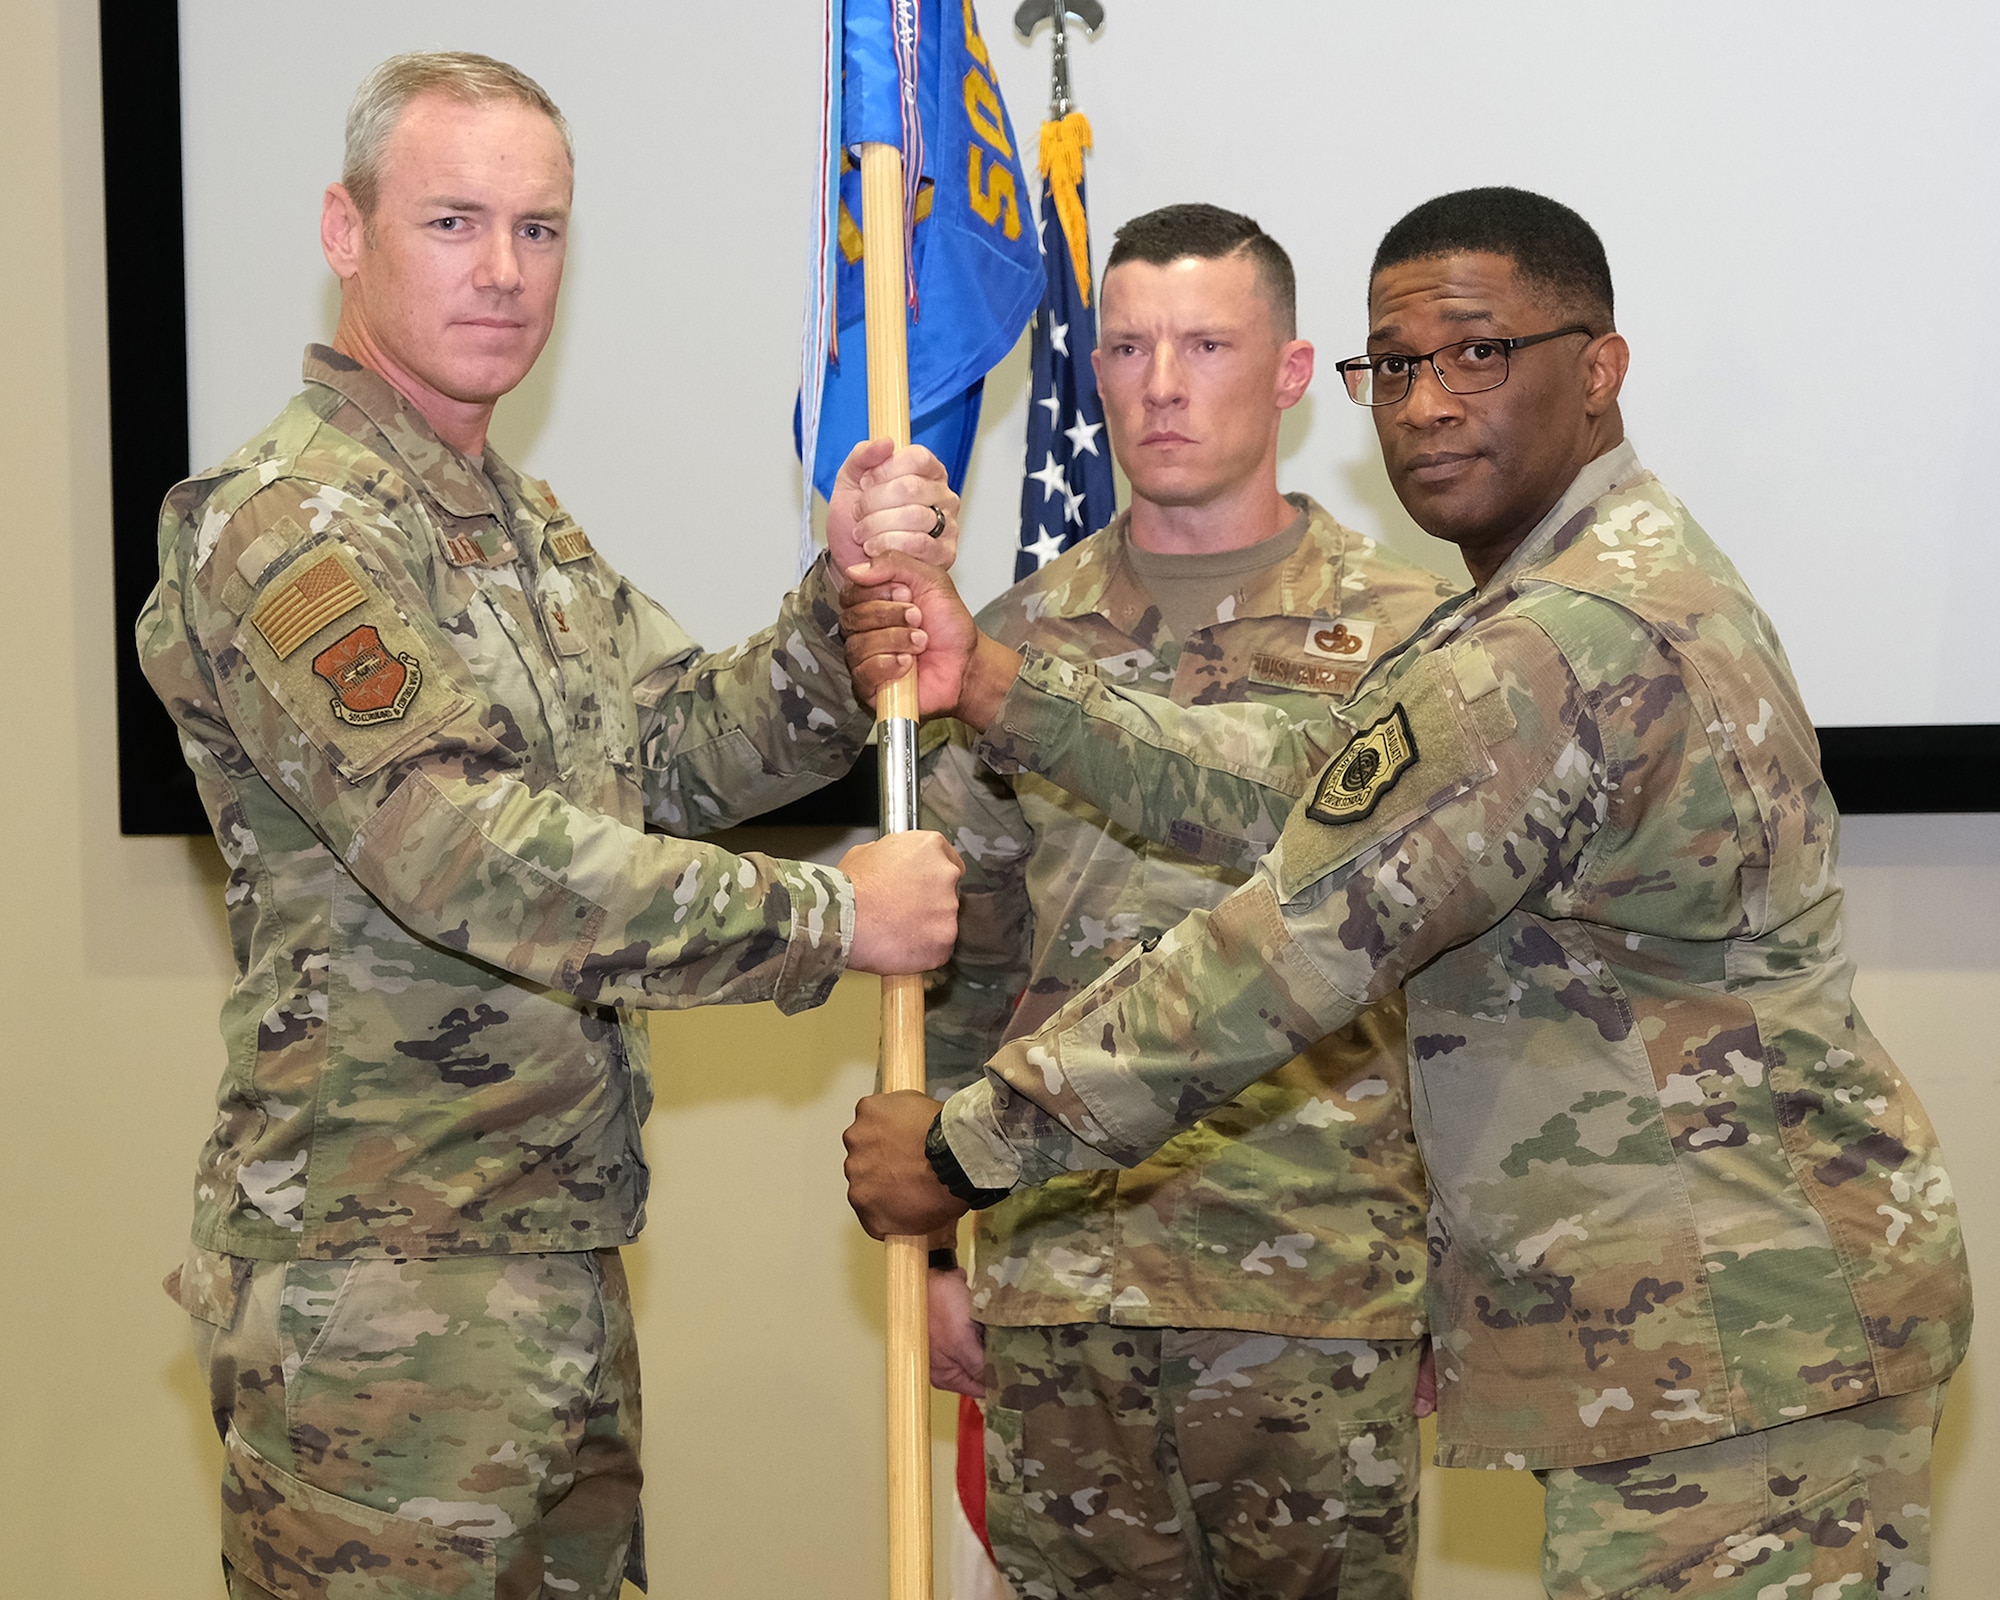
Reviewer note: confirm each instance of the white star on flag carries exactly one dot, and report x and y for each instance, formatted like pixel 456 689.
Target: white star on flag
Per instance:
pixel 1045 548
pixel 1050 477
pixel 1073 505
pixel 1065 418
pixel 1083 436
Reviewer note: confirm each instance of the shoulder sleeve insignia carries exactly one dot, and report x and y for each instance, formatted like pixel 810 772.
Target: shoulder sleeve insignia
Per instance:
pixel 300 606
pixel 1353 785
pixel 572 544
pixel 369 684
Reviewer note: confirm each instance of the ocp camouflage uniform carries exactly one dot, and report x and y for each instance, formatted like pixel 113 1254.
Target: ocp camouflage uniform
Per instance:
pixel 1680 1194
pixel 1245 1224
pixel 430 726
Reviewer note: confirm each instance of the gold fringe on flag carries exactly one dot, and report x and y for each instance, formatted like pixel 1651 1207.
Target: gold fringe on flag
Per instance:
pixel 1064 141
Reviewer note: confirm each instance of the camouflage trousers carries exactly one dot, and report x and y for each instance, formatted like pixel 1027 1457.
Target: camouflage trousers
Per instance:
pixel 463 1429
pixel 1833 1507
pixel 1170 1464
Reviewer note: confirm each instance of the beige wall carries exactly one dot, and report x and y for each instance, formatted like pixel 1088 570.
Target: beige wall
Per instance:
pixel 759 1301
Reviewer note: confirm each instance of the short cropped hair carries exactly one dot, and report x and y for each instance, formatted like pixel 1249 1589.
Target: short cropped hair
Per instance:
pixel 386 93
pixel 1553 249
pixel 1208 233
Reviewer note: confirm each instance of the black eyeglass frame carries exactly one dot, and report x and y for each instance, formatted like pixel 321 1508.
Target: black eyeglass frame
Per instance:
pixel 1508 346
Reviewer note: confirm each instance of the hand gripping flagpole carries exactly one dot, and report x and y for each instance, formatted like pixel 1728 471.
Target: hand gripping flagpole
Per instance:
pixel 886 294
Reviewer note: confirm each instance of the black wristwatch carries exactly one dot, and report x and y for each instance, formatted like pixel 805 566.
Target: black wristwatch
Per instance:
pixel 943 1259
pixel 949 1173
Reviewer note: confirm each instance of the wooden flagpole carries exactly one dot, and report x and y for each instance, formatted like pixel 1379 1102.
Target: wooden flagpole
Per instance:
pixel 885 301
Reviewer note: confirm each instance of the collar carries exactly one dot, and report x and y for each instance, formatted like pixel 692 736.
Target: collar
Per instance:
pixel 1101 581
pixel 1616 468
pixel 445 476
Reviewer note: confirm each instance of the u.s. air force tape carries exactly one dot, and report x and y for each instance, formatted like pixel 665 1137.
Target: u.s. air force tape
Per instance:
pixel 1357 779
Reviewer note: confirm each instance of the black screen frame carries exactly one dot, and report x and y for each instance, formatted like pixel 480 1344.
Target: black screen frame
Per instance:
pixel 1886 769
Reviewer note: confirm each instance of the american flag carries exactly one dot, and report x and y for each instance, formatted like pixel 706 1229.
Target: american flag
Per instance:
pixel 1067 492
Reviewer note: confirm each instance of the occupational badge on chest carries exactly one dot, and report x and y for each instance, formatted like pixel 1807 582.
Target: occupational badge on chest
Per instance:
pixel 1339 638
pixel 369 684
pixel 1365 771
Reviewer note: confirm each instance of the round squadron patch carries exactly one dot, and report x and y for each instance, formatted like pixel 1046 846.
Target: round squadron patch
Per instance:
pixel 1355 781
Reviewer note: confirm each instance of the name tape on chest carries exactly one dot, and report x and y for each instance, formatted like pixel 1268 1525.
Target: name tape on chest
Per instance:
pixel 479 547
pixel 1354 784
pixel 1321 676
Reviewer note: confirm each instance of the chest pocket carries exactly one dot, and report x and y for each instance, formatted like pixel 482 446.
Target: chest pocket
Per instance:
pixel 579 603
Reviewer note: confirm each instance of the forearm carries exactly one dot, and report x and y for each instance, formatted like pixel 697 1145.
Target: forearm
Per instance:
pixel 1123 1066
pixel 969 1004
pixel 528 883
pixel 1215 782
pixel 1338 915
pixel 732 734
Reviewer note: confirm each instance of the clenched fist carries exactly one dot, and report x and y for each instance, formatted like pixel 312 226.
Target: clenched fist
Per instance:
pixel 905 902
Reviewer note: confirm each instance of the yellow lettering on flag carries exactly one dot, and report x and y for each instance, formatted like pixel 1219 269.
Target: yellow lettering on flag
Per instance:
pixel 973 43
pixel 982 105
pixel 993 200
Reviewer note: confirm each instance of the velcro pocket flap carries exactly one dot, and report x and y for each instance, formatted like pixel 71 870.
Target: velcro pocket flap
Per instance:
pixel 332 649
pixel 209 1285
pixel 1416 747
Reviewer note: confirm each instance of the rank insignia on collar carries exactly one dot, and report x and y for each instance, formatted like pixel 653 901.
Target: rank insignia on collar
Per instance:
pixel 1339 638
pixel 1365 771
pixel 369 684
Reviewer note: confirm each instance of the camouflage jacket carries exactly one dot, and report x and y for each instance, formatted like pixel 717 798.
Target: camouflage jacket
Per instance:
pixel 1244 1221
pixel 1679 1190
pixel 431 727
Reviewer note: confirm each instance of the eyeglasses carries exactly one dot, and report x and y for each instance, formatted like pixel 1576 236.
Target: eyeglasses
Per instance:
pixel 1471 366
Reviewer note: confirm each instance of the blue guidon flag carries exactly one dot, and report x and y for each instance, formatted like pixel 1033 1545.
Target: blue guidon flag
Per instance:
pixel 1068 491
pixel 915 74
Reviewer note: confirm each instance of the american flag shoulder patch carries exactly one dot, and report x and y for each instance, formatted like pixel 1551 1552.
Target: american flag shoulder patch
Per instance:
pixel 323 591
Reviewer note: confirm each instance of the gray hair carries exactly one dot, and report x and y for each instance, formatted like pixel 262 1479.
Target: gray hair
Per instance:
pixel 386 93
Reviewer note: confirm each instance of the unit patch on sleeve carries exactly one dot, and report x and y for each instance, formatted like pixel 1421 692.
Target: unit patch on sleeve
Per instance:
pixel 369 684
pixel 1353 785
pixel 300 606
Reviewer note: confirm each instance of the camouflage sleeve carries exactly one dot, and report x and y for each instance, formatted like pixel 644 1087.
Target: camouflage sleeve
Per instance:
pixel 1493 791
pixel 1213 781
pixel 429 802
pixel 967 1007
pixel 727 736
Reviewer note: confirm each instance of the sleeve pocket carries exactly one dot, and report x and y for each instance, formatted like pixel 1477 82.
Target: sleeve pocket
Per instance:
pixel 1417 749
pixel 340 661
